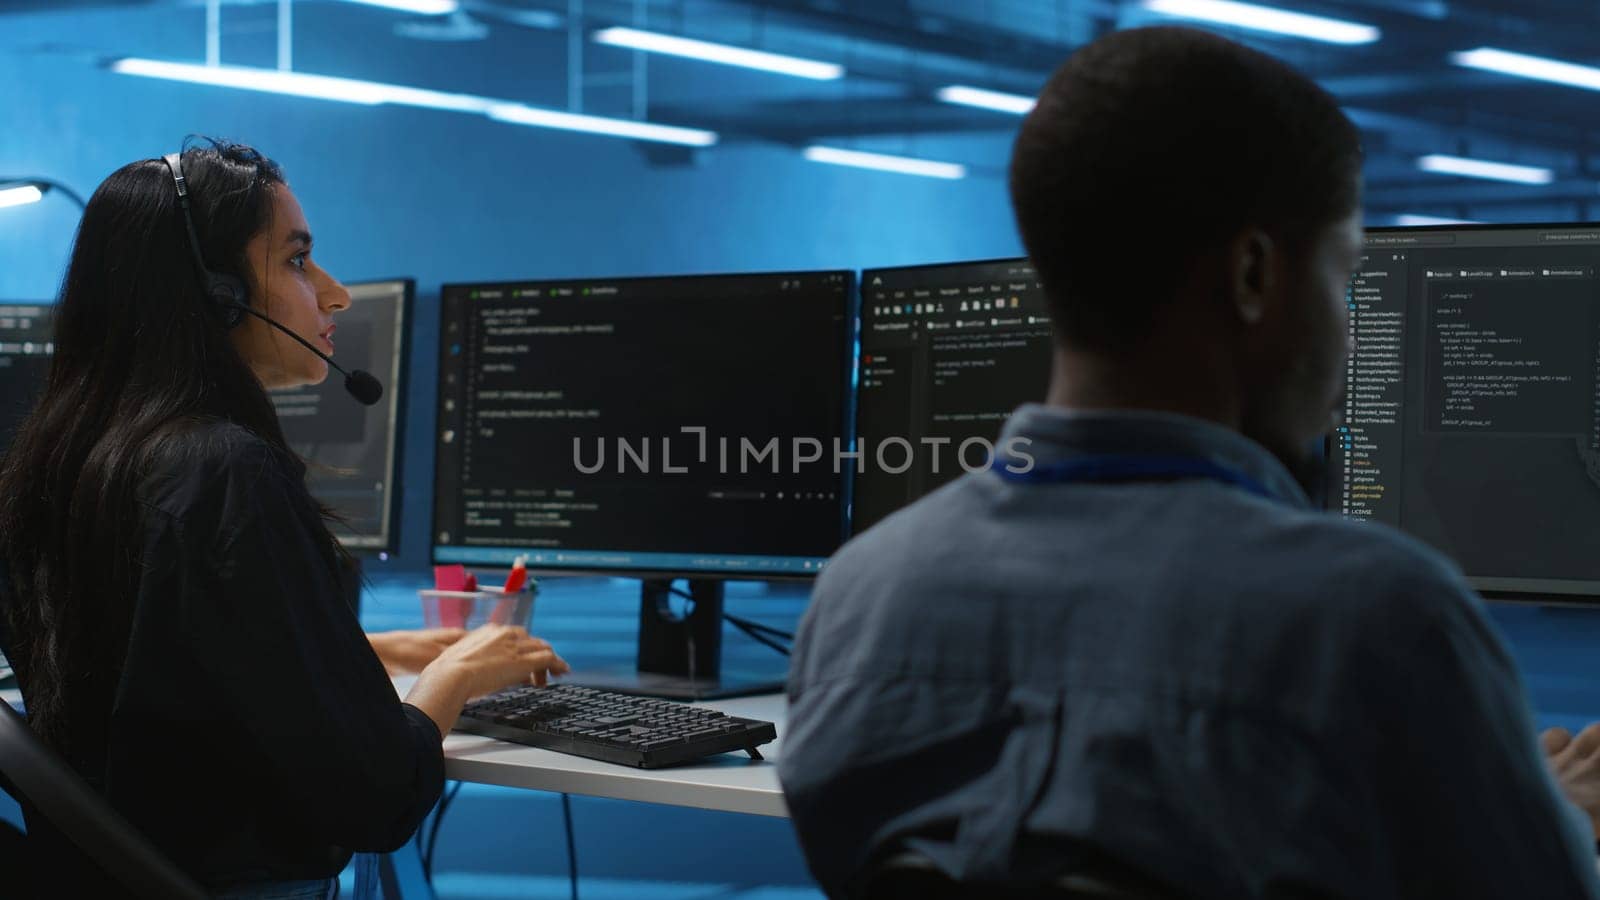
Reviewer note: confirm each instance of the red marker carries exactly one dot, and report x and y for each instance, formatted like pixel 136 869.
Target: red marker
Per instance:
pixel 514 582
pixel 518 576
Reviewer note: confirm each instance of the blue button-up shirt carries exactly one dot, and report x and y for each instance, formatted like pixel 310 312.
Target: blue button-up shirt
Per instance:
pixel 1231 692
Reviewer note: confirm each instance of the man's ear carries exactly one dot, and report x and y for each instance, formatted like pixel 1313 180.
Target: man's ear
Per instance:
pixel 1252 274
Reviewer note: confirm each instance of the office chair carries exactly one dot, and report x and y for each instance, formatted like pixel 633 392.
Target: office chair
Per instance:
pixel 908 875
pixel 84 817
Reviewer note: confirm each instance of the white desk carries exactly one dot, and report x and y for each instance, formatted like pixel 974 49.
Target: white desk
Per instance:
pixel 731 782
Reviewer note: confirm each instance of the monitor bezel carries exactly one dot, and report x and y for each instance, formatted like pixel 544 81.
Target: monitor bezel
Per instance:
pixel 847 336
pixel 1485 226
pixel 389 544
pixel 1540 591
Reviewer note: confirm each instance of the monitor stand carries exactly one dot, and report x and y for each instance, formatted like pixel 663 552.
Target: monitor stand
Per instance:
pixel 680 657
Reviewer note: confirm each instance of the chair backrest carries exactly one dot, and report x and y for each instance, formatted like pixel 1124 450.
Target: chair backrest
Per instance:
pixel 908 875
pixel 84 817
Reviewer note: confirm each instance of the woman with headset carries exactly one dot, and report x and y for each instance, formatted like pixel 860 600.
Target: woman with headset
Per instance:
pixel 172 593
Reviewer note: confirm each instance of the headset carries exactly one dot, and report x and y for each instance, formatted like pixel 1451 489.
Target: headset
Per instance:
pixel 226 292
pixel 231 300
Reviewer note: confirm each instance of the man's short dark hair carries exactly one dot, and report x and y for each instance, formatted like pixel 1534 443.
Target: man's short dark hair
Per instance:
pixel 1151 147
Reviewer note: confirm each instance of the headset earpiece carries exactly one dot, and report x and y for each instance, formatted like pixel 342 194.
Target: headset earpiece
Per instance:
pixel 226 292
pixel 229 296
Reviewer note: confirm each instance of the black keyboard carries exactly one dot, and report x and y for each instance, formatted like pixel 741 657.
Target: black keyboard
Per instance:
pixel 618 728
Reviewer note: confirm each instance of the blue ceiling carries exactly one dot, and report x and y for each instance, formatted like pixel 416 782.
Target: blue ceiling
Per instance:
pixel 1402 90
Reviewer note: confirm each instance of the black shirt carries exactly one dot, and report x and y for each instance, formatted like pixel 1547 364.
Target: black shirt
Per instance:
pixel 252 733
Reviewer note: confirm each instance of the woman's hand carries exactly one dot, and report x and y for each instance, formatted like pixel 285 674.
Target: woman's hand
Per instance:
pixel 409 652
pixel 1575 763
pixel 495 656
pixel 484 660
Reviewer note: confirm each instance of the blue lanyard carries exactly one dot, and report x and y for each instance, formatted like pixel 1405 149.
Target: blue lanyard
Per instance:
pixel 1113 468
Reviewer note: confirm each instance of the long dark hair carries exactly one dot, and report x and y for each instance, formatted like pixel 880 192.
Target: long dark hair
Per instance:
pixel 139 355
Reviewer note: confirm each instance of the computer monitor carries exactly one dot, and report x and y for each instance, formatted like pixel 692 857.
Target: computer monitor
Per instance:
pixel 1472 412
pixel 352 452
pixel 947 352
pixel 27 340
pixel 656 428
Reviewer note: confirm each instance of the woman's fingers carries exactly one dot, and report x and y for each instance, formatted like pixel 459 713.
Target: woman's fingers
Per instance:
pixel 543 664
pixel 1587 743
pixel 544 659
pixel 1555 740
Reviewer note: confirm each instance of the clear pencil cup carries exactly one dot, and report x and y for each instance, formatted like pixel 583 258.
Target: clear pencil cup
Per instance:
pixel 469 609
